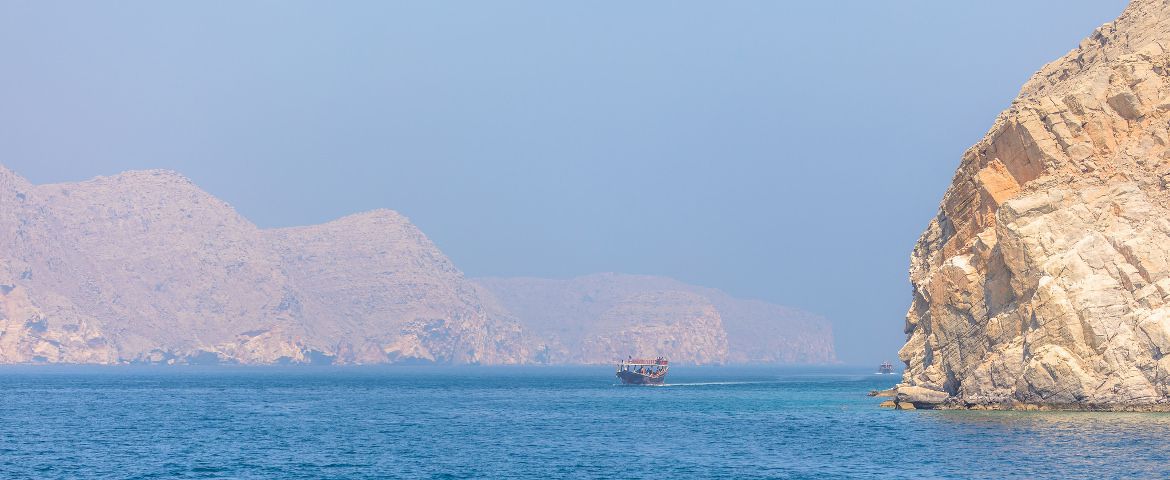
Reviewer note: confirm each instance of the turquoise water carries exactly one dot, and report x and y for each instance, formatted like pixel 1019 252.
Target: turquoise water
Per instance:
pixel 420 422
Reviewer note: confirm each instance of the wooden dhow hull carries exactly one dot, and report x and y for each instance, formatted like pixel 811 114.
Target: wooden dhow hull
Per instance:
pixel 634 378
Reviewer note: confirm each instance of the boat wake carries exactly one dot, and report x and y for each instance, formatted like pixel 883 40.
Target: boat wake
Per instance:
pixel 701 384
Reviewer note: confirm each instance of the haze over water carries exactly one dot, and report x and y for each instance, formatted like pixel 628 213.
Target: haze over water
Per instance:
pixel 787 151
pixel 561 422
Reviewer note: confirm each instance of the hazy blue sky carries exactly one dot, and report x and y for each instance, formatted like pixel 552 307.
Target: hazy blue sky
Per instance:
pixel 783 150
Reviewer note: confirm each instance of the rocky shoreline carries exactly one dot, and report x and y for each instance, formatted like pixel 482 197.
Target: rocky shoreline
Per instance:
pixel 917 398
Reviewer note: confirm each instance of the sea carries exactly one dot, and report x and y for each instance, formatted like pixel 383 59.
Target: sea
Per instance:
pixel 69 422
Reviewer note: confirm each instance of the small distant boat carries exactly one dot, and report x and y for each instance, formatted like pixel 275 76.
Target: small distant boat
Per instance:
pixel 886 368
pixel 636 371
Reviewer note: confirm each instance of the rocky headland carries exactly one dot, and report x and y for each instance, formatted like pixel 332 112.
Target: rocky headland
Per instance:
pixel 145 267
pixel 1044 280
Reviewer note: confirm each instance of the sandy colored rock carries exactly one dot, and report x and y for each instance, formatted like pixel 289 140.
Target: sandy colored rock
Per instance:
pixel 920 396
pixel 1045 278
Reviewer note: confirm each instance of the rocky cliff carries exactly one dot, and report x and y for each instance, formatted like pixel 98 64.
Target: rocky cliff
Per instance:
pixel 146 267
pixel 1044 281
pixel 597 318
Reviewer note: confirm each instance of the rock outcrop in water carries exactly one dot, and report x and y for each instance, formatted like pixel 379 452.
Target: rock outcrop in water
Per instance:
pixel 146 267
pixel 596 318
pixel 1044 281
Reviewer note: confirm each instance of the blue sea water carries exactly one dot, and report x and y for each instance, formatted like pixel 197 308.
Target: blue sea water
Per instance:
pixel 479 422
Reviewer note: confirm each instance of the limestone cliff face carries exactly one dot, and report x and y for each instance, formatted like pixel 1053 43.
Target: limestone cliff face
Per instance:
pixel 146 267
pixel 1045 277
pixel 598 318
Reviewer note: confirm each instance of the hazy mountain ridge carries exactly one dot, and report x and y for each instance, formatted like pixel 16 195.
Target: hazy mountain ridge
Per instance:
pixel 588 319
pixel 145 267
pixel 380 275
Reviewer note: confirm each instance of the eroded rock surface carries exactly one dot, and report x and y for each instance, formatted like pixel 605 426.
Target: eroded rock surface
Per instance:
pixel 1045 278
pixel 597 318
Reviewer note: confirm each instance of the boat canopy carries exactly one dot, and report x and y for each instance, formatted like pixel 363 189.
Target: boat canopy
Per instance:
pixel 638 362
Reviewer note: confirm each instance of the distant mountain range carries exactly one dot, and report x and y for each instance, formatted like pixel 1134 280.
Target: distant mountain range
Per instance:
pixel 145 267
pixel 596 318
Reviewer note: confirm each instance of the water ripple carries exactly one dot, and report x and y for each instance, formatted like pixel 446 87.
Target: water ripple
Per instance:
pixel 533 423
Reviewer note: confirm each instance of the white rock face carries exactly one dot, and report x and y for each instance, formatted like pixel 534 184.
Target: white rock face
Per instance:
pixel 146 267
pixel 1045 278
pixel 598 318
